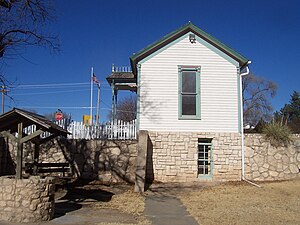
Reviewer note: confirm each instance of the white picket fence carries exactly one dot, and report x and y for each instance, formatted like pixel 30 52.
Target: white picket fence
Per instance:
pixel 113 130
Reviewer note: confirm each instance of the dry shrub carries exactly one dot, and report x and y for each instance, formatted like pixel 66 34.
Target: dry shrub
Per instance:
pixel 277 133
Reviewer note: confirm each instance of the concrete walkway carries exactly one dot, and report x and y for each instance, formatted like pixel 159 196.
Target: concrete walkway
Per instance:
pixel 166 209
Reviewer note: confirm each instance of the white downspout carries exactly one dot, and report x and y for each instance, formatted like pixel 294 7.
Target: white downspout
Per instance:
pixel 242 125
pixel 242 117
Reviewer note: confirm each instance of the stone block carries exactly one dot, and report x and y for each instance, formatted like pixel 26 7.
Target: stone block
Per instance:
pixel 8 196
pixel 254 167
pixel 265 174
pixel 3 203
pixel 259 160
pixel 294 169
pixel 255 174
pixel 298 157
pixel 273 173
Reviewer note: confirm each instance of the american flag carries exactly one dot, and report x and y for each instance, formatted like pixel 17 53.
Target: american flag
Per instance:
pixel 95 81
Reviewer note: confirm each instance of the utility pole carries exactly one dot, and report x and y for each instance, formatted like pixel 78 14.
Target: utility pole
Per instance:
pixel 98 105
pixel 91 109
pixel 3 91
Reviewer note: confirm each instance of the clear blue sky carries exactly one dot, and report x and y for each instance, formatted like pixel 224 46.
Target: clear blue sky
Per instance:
pixel 98 33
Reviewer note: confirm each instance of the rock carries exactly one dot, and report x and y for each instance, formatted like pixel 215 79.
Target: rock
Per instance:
pixel 265 174
pixel 256 142
pixel 266 165
pixel 249 152
pixel 259 159
pixel 272 150
pixel 254 167
pixel 271 160
pixel 294 169
pixel 115 151
pixel 262 169
pixel 273 173
pixel 277 156
pixel 285 160
pixel 256 174
pixel 298 157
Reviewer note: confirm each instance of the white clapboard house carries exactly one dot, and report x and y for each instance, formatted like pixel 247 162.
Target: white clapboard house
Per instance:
pixel 188 85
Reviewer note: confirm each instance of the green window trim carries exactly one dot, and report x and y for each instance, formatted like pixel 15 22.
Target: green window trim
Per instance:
pixel 182 69
pixel 205 160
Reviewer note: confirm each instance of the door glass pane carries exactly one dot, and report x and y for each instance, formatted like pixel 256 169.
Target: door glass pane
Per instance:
pixel 204 158
pixel 188 104
pixel 189 82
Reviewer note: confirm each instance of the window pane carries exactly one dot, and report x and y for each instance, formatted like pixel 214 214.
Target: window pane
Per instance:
pixel 189 81
pixel 188 104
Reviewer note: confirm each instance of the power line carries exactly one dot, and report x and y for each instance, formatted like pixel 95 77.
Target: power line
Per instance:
pixel 45 85
pixel 53 92
pixel 69 107
pixel 57 85
pixel 48 92
pixel 56 107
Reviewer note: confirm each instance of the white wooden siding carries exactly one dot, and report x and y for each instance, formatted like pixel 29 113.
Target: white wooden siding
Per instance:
pixel 159 90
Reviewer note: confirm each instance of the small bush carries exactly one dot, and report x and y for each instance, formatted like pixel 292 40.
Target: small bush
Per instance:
pixel 277 133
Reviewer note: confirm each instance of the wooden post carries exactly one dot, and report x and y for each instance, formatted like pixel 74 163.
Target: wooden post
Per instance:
pixel 113 103
pixel 36 156
pixel 19 151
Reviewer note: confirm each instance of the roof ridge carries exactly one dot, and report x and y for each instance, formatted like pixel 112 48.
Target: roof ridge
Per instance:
pixel 168 38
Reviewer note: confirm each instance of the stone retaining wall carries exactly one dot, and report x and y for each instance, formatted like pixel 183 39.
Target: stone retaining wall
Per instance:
pixel 26 200
pixel 109 161
pixel 171 157
pixel 175 156
pixel 264 162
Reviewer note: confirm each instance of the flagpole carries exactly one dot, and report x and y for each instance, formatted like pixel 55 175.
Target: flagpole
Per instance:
pixel 91 109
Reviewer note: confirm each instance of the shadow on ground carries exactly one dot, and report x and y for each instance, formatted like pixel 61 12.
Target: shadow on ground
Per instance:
pixel 73 196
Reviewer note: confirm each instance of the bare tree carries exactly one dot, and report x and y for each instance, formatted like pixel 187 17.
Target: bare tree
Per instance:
pixel 126 109
pixel 22 23
pixel 257 93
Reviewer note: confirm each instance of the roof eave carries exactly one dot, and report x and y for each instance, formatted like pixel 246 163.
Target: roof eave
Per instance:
pixel 134 59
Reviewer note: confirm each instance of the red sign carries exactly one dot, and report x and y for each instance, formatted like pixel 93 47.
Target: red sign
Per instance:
pixel 58 116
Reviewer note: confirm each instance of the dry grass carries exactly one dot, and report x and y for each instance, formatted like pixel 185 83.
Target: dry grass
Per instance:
pixel 128 202
pixel 240 203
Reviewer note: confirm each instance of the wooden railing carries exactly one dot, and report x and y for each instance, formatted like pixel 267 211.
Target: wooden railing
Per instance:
pixel 126 69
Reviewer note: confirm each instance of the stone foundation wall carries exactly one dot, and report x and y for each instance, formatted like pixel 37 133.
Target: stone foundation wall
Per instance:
pixel 109 161
pixel 264 162
pixel 26 200
pixel 175 156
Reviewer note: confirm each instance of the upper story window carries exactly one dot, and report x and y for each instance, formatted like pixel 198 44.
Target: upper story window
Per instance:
pixel 189 92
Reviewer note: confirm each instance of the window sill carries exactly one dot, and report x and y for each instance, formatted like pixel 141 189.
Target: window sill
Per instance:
pixel 189 118
pixel 205 177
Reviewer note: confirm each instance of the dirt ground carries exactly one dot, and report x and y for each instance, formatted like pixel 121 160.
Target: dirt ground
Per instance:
pixel 241 203
pixel 128 202
pixel 115 204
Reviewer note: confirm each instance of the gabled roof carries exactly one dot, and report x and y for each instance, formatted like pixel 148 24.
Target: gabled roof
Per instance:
pixel 10 120
pixel 189 27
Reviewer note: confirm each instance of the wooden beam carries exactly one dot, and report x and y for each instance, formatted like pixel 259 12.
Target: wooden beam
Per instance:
pixel 31 136
pixel 8 135
pixel 19 152
pixel 36 156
